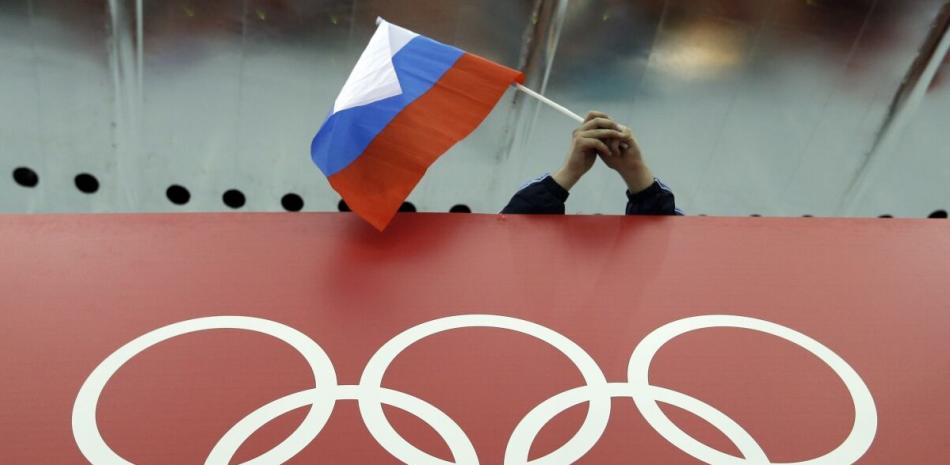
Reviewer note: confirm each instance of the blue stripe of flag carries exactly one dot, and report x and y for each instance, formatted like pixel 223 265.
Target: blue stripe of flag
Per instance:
pixel 345 135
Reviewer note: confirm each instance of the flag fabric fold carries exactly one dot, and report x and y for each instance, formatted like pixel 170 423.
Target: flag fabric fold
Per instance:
pixel 408 100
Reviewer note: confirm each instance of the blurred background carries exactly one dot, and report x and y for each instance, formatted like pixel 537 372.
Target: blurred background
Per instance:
pixel 764 107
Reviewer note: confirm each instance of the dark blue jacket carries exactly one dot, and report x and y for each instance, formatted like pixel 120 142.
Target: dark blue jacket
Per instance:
pixel 546 196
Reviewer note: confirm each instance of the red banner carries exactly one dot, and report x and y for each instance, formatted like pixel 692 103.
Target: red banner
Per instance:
pixel 469 339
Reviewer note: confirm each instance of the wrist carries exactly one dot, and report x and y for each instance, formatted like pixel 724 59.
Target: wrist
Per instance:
pixel 638 177
pixel 566 177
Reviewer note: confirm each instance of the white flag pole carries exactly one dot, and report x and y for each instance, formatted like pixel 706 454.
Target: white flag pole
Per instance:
pixel 550 103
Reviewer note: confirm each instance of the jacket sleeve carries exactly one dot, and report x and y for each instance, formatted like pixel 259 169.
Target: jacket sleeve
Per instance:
pixel 546 196
pixel 543 196
pixel 657 199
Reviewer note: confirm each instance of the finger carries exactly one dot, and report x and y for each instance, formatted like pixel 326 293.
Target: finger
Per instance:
pixel 600 123
pixel 627 141
pixel 599 134
pixel 627 135
pixel 595 114
pixel 615 147
pixel 595 145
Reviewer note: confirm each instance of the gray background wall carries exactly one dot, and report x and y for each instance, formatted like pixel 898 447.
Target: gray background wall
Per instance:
pixel 777 107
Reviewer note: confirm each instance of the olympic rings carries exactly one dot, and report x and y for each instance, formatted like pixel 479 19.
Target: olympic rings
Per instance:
pixel 371 395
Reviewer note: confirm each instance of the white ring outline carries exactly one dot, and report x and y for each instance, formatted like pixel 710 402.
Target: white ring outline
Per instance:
pixel 86 430
pixel 590 431
pixel 865 412
pixel 229 444
pixel 529 427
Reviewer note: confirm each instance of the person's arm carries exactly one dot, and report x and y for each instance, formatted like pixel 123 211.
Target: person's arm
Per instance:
pixel 657 199
pixel 646 195
pixel 542 196
pixel 548 194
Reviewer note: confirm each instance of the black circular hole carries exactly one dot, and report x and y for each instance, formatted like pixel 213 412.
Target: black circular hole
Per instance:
pixel 87 183
pixel 938 214
pixel 342 206
pixel 755 215
pixel 25 177
pixel 292 202
pixel 177 195
pixel 460 208
pixel 233 198
pixel 886 216
pixel 407 207
pixel 806 215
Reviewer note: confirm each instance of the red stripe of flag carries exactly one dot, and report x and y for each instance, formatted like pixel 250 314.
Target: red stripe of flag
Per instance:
pixel 399 156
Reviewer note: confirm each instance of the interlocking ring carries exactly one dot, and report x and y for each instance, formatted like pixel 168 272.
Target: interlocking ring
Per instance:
pixel 371 396
pixel 852 449
pixel 86 430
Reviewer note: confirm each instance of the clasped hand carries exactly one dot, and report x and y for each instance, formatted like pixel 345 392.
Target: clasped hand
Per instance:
pixel 614 144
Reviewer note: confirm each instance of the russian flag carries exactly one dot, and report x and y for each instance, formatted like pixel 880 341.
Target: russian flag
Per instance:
pixel 408 100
